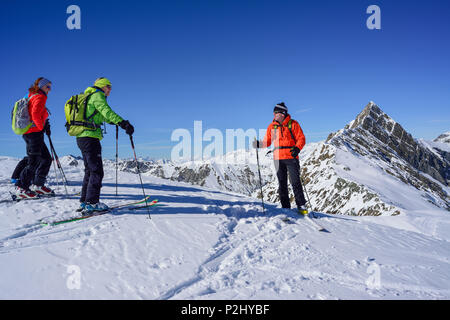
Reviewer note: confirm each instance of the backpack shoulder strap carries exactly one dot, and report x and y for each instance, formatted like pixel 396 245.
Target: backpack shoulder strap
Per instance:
pixel 86 103
pixel 289 125
pixel 29 98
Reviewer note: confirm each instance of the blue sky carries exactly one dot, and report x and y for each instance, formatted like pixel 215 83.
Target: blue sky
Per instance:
pixel 227 63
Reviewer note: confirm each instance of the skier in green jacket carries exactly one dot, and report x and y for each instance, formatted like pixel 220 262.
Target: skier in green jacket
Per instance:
pixel 89 143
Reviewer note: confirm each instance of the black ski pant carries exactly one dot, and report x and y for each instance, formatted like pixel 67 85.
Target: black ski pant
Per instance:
pixel 39 161
pixel 291 167
pixel 20 166
pixel 91 150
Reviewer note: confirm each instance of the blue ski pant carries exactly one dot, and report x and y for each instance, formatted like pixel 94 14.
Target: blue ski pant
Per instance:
pixel 39 161
pixel 91 150
pixel 291 167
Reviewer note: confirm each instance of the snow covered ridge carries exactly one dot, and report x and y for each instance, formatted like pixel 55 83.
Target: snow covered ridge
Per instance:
pixel 443 138
pixel 239 176
pixel 370 167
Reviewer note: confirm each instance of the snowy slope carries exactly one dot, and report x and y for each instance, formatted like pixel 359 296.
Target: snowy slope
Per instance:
pixel 207 244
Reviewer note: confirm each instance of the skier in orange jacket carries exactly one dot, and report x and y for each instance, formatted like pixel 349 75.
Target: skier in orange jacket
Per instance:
pixel 288 139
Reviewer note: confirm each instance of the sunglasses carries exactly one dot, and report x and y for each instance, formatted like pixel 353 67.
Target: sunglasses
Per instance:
pixel 48 87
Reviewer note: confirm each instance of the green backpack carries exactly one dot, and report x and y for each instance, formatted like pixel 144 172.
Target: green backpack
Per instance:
pixel 76 120
pixel 20 116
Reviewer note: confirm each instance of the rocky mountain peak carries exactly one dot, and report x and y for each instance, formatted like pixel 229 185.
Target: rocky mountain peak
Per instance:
pixel 374 134
pixel 372 121
pixel 369 116
pixel 383 127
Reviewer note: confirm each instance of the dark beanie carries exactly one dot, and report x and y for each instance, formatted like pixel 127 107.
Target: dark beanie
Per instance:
pixel 281 107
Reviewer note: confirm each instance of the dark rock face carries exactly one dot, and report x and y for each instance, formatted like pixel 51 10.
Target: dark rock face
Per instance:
pixel 403 144
pixel 193 176
pixel 130 166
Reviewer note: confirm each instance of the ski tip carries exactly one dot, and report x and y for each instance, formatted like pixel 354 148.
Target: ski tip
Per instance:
pixel 324 230
pixel 13 196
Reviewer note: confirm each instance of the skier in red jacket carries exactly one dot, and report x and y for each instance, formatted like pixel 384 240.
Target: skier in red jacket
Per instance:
pixel 288 139
pixel 33 176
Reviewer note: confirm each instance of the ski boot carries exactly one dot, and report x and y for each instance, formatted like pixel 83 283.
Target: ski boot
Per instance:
pixel 24 194
pixel 81 207
pixel 94 208
pixel 302 211
pixel 42 191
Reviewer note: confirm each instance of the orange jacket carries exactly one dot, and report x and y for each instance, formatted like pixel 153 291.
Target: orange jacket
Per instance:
pixel 280 135
pixel 38 112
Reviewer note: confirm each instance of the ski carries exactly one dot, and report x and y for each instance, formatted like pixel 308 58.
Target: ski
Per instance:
pixel 307 217
pixel 14 198
pixel 156 204
pixel 287 220
pixel 145 200
pixel 119 206
pixel 315 224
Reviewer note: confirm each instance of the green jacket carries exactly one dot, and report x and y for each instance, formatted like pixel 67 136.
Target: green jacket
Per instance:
pixel 97 101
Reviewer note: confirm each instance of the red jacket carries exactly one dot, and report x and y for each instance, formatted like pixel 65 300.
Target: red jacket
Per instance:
pixel 280 135
pixel 38 112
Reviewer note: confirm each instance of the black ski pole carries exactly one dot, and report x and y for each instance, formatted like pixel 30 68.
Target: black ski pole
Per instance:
pixel 306 191
pixel 139 173
pixel 260 180
pixel 318 226
pixel 54 167
pixel 58 163
pixel 117 154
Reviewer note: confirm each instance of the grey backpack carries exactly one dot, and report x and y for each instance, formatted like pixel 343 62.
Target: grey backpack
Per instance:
pixel 20 116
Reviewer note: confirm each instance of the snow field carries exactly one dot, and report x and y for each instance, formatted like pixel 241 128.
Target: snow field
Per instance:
pixel 206 244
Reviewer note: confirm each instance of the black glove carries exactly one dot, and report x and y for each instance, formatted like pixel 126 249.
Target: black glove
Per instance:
pixel 126 125
pixel 257 144
pixel 47 128
pixel 295 151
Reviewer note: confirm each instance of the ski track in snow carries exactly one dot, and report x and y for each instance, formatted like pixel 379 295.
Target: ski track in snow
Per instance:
pixel 207 244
